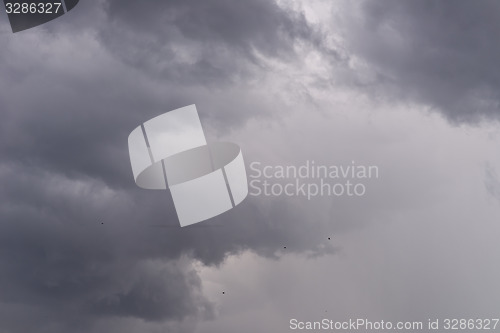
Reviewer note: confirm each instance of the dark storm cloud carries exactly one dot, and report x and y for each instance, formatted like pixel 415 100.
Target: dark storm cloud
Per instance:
pixel 202 42
pixel 440 53
pixel 56 257
pixel 79 242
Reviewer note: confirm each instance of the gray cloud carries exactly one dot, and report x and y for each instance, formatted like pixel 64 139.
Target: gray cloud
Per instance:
pixel 439 53
pixel 202 43
pixel 82 248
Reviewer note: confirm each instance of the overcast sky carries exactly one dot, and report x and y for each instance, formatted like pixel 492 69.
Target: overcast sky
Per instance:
pixel 409 86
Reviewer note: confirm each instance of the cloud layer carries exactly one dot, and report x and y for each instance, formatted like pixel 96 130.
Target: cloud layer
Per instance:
pixel 82 249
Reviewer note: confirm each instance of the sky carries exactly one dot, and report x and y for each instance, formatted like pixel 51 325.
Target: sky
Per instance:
pixel 408 86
